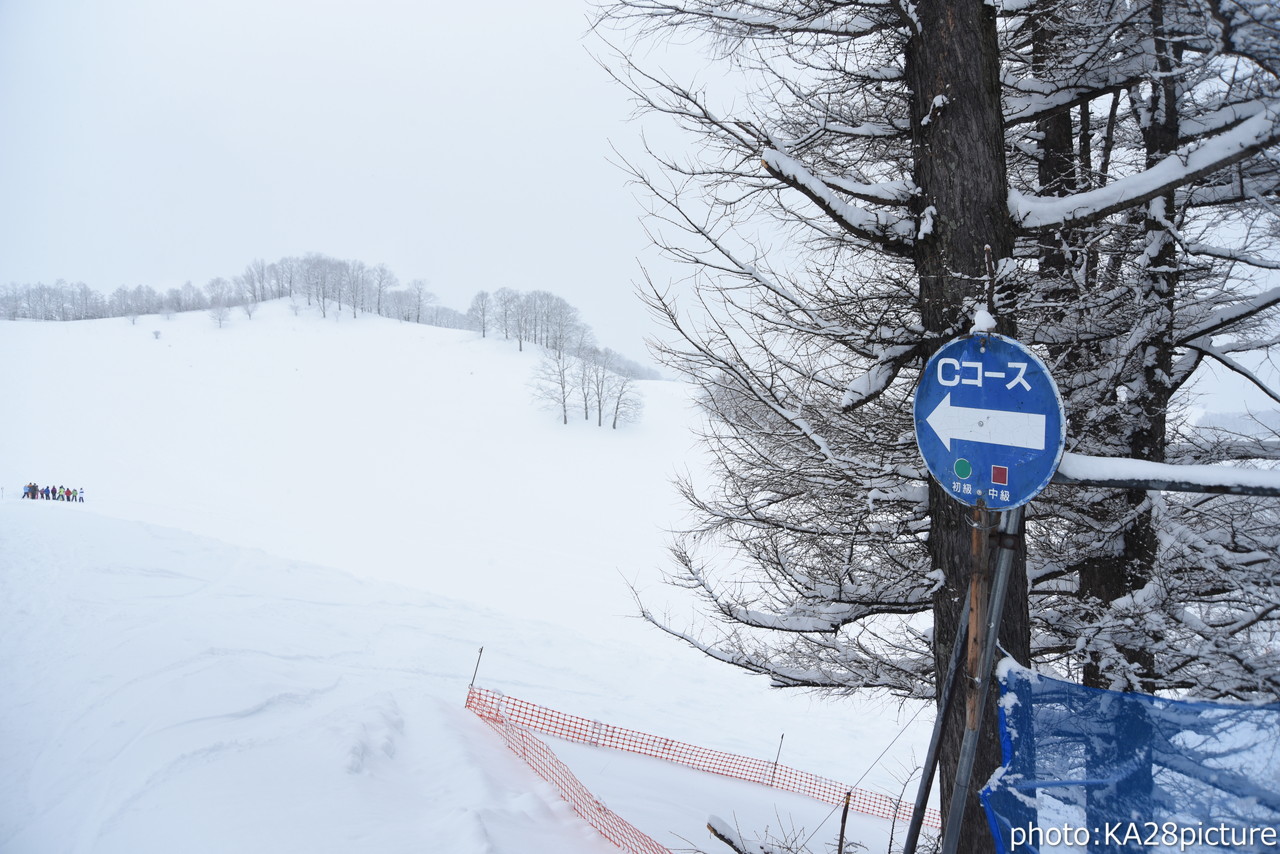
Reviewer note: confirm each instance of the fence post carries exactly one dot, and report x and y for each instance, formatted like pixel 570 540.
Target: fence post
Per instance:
pixel 844 818
pixel 774 773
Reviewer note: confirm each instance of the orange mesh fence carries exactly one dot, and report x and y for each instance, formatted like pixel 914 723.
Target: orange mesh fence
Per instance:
pixel 489 705
pixel 494 706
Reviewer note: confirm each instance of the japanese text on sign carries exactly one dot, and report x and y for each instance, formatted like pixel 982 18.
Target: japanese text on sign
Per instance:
pixel 953 372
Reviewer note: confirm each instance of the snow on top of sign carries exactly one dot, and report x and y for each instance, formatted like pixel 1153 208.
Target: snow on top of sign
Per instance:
pixel 983 321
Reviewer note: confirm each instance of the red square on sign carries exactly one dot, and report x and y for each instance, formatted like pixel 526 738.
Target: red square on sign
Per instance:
pixel 1000 475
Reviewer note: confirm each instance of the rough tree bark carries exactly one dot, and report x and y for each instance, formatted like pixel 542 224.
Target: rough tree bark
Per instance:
pixel 952 69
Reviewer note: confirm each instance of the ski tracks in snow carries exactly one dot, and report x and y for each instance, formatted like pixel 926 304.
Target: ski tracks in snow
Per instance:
pixel 168 687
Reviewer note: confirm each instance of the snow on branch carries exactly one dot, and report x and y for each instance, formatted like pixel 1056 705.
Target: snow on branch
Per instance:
pixel 1232 315
pixel 1110 57
pixel 867 130
pixel 1124 473
pixel 1045 213
pixel 888 193
pixel 1173 757
pixel 1225 117
pixel 728 834
pixel 889 230
pixel 869 385
pixel 760 22
pixel 1249 29
pixel 809 24
pixel 1233 365
pixel 1205 250
pixel 1031 100
pixel 1232 190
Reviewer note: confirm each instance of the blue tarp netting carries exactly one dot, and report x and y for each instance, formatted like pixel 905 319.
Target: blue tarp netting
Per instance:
pixel 1105 771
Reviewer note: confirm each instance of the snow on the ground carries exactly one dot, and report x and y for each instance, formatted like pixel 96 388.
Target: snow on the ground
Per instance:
pixel 672 804
pixel 172 693
pixel 257 632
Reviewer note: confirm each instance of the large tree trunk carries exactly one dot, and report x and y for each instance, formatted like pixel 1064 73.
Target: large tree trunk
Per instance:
pixel 1146 422
pixel 952 69
pixel 1134 564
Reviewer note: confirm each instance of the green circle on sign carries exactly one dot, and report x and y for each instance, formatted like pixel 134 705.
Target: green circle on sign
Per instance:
pixel 963 469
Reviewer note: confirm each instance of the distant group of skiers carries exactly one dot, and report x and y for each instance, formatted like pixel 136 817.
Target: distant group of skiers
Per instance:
pixel 52 493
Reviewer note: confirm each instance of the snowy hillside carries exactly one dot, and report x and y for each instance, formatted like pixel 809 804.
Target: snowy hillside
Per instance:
pixel 256 633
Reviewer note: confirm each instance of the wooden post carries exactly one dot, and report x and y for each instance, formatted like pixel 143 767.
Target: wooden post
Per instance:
pixel 979 599
pixel 1010 522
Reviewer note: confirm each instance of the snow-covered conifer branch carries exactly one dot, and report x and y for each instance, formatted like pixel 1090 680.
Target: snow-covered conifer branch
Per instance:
pixel 1118 473
pixel 759 20
pixel 894 232
pixel 1043 213
pixel 1226 361
pixel 1231 315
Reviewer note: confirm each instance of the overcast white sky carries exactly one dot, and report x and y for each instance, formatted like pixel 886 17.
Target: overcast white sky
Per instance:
pixel 468 144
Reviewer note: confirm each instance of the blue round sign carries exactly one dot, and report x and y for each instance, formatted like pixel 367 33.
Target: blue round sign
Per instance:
pixel 989 421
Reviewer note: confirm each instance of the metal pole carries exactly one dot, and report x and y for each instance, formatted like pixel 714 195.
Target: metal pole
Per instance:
pixel 931 756
pixel 1009 524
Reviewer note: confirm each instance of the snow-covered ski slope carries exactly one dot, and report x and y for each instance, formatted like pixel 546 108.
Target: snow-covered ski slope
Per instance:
pixel 256 633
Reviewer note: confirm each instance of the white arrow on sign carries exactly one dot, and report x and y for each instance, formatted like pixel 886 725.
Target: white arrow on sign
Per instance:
pixel 992 426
